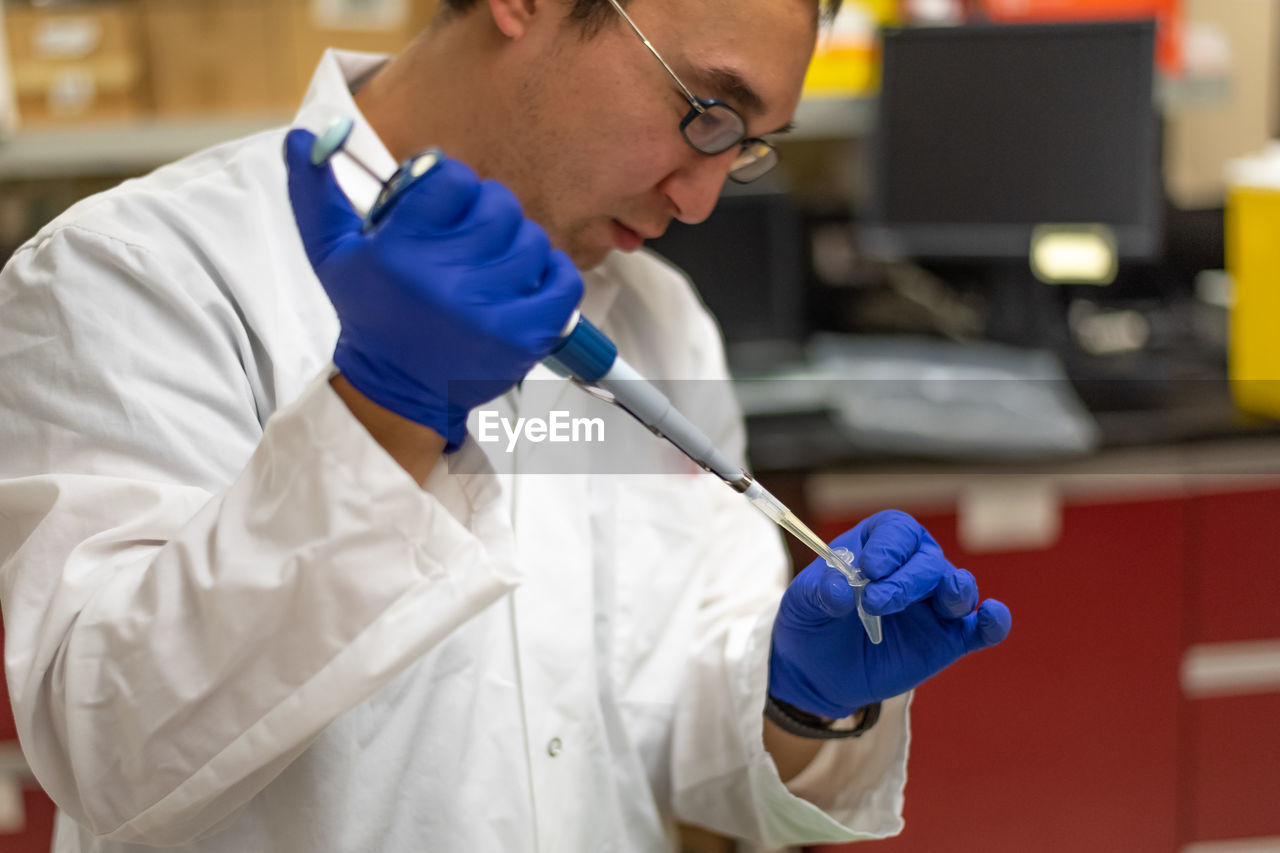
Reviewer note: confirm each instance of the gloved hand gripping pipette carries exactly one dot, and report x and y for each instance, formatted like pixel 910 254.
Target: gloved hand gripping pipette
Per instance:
pixel 586 355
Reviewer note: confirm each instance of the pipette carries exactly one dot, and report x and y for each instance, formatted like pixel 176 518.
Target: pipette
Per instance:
pixel 590 359
pixel 588 356
pixel 334 140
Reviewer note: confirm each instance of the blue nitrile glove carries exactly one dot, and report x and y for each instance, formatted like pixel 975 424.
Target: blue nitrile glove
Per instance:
pixel 822 661
pixel 447 303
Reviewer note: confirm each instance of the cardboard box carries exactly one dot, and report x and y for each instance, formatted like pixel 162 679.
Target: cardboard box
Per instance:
pixel 77 63
pixel 1203 135
pixel 217 57
pixel 374 26
pixel 250 57
pixel 8 110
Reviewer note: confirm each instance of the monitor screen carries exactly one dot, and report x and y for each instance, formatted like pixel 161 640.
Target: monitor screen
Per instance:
pixel 747 261
pixel 985 132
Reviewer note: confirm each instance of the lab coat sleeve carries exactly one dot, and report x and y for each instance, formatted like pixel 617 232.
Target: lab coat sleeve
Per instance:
pixel 723 777
pixel 172 642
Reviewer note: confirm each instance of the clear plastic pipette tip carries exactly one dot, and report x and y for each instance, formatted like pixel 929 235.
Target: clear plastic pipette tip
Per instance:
pixel 840 559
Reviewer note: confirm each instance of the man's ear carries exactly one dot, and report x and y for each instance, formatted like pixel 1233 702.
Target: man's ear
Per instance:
pixel 513 17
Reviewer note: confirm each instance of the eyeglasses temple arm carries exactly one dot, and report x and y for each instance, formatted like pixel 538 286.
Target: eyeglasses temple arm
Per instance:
pixel 693 102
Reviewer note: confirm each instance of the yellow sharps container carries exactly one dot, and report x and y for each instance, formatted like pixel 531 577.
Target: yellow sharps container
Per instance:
pixel 1253 261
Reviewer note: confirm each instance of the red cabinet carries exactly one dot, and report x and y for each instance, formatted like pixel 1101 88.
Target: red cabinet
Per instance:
pixel 1235 578
pixel 1231 787
pixel 36 831
pixel 1077 733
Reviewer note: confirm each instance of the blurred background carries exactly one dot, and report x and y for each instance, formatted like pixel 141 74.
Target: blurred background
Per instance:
pixel 1018 274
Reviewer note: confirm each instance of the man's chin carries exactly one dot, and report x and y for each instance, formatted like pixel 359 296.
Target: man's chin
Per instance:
pixel 587 247
pixel 588 258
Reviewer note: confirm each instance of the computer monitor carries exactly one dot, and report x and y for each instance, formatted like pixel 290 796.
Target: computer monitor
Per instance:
pixel 985 132
pixel 748 262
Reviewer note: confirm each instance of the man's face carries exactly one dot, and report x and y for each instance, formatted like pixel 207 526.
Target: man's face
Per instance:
pixel 590 142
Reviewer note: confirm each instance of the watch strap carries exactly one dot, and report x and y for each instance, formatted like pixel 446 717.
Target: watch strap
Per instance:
pixel 804 724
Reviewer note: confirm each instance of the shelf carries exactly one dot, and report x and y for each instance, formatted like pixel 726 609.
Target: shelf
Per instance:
pixel 837 118
pixel 123 149
pixel 834 118
pixel 117 149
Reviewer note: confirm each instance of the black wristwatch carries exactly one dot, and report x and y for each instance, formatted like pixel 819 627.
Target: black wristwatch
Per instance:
pixel 801 723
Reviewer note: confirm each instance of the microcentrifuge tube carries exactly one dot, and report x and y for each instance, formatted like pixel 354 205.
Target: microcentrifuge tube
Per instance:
pixel 858 581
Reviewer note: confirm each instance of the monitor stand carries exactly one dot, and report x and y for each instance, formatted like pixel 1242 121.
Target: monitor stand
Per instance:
pixel 1024 311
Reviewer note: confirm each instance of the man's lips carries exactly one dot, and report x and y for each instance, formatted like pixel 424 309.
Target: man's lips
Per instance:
pixel 625 238
pixel 628 238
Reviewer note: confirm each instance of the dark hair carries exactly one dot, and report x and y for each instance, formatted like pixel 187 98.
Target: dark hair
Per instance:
pixel 592 14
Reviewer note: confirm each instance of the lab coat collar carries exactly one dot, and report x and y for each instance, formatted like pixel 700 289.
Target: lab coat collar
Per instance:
pixel 328 97
pixel 602 285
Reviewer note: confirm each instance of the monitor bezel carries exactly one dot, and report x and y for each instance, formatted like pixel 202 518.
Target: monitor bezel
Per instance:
pixel 880 238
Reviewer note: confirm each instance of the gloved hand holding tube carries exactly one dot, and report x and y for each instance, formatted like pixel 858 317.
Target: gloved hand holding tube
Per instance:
pixel 448 303
pixel 821 660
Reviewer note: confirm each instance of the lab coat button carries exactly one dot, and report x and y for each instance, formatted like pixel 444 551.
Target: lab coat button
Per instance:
pixel 553 747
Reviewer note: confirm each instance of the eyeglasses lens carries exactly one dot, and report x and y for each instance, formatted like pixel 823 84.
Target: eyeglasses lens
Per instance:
pixel 714 130
pixel 754 160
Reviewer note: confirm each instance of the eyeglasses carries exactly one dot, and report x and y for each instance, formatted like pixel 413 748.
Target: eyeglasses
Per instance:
pixel 713 127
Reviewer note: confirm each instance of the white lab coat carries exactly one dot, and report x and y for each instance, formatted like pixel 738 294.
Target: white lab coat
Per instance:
pixel 233 623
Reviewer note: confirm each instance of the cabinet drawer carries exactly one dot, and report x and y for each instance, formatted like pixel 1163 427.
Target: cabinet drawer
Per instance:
pixel 1232 751
pixel 1234 585
pixel 1065 737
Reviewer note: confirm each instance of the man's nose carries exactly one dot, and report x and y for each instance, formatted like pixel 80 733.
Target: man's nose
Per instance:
pixel 694 188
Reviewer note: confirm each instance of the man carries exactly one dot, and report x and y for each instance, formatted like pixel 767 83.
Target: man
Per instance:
pixel 233 622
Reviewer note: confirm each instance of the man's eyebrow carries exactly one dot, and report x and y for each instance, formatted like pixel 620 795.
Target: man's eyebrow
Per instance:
pixel 732 85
